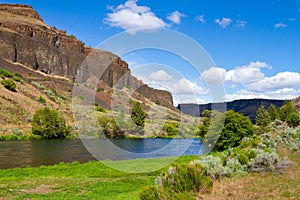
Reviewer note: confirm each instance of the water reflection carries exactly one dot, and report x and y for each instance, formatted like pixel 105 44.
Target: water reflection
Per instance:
pixel 41 152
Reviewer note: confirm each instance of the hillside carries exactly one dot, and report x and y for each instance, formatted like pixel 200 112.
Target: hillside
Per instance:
pixel 48 60
pixel 247 107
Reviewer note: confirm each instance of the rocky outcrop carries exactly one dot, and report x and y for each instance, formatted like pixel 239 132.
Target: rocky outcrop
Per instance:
pixel 26 39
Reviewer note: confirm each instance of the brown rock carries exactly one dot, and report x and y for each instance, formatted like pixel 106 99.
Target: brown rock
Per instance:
pixel 26 39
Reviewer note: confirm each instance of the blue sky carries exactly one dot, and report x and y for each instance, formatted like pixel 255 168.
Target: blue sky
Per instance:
pixel 255 45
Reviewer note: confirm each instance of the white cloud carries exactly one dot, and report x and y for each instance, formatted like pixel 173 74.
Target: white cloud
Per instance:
pixel 284 93
pixel 241 23
pixel 280 25
pixel 160 75
pixel 224 22
pixel 181 99
pixel 201 19
pixel 175 17
pixel 279 81
pixel 130 16
pixel 244 75
pixel 247 74
pixel 214 75
pixel 184 86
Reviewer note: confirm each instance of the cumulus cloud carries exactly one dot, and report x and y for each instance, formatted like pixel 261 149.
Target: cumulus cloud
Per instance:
pixel 184 86
pixel 160 75
pixel 280 25
pixel 279 81
pixel 175 17
pixel 224 22
pixel 201 19
pixel 214 75
pixel 247 74
pixel 130 16
pixel 244 75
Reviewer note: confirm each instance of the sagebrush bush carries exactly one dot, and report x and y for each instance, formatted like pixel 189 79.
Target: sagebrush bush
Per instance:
pixel 214 166
pixel 180 182
pixel 291 138
pixel 264 161
pixel 234 167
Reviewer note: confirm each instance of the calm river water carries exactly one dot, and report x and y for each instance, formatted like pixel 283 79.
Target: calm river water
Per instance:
pixel 40 152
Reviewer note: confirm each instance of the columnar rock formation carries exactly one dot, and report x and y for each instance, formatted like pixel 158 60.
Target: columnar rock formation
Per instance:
pixel 26 39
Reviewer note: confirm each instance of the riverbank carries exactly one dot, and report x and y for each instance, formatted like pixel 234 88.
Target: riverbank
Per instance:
pixel 95 180
pixel 92 180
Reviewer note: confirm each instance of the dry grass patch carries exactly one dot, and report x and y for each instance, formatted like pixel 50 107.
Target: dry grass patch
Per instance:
pixel 279 185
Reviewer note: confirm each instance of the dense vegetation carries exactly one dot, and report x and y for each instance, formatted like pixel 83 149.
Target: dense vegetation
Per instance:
pixel 47 123
pixel 238 152
pixel 236 126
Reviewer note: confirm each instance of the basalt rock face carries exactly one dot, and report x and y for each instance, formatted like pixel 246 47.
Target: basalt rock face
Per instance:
pixel 26 39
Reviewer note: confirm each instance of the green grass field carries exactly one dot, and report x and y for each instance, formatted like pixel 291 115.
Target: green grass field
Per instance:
pixel 93 180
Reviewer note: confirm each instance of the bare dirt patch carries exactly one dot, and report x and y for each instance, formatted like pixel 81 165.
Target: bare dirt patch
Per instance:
pixel 42 189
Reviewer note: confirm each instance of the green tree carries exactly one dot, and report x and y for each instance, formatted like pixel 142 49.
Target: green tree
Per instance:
pixel 138 116
pixel 293 119
pixel 47 123
pixel 289 114
pixel 203 127
pixel 236 126
pixel 262 117
pixel 273 112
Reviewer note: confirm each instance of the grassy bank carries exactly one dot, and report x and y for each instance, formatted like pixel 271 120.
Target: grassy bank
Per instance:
pixel 93 180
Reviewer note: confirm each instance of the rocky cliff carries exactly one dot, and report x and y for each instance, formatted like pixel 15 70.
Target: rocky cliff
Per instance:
pixel 26 39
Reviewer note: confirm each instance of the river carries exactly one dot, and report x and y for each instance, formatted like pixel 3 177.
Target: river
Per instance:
pixel 49 152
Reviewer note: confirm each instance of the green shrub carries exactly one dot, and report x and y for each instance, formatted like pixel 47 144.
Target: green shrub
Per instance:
pixel 9 84
pixel 151 193
pixel 18 75
pixel 171 128
pixel 5 74
pixel 47 123
pixel 18 79
pixel 243 157
pixel 180 182
pixel 110 128
pixel 99 108
pixel 41 100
